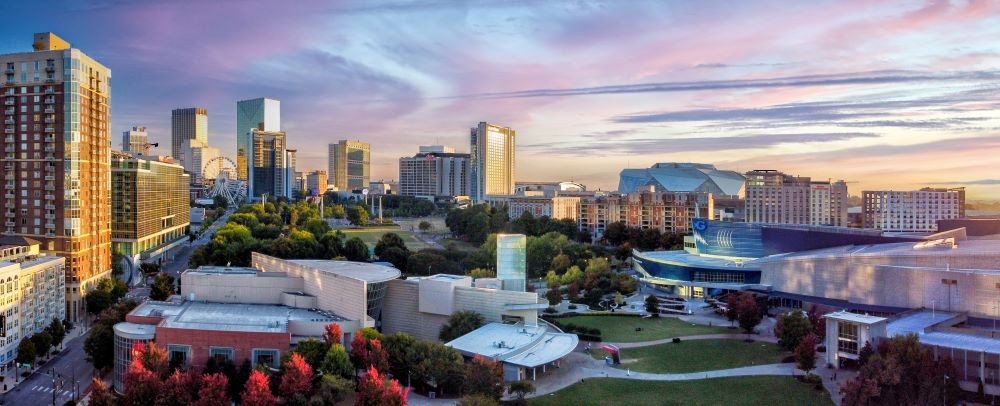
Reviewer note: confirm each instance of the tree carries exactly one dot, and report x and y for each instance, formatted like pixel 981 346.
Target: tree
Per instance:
pixel 399 347
pixel 356 250
pixel 357 215
pixel 805 353
pixel 313 351
pixel 616 233
pixel 554 295
pixel 378 357
pixel 461 323
pixel 98 300
pixel 573 292
pixel 865 354
pixel 57 330
pixel 26 353
pixel 551 279
pixel 141 386
pixel 359 351
pixel 389 240
pixel 484 376
pixel 477 400
pixel 653 305
pixel 42 342
pixel 297 377
pixel 375 389
pixel 560 263
pixel 100 344
pixel 100 394
pixel 436 367
pixel 332 389
pixel 153 358
pixel 163 287
pixel 258 391
pixel 482 273
pixel 792 328
pixel 425 226
pixel 746 311
pixel 332 334
pixel 180 389
pixel 337 362
pixel 521 388
pixel 478 228
pixel 817 321
pixel 572 275
pixel 902 372
pixel 395 256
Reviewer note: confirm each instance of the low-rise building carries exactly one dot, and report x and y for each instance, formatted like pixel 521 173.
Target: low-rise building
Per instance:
pixel 32 293
pixel 316 183
pixel 668 212
pixel 555 207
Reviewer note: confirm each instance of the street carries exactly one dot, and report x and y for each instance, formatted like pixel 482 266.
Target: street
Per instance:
pixel 180 262
pixel 70 364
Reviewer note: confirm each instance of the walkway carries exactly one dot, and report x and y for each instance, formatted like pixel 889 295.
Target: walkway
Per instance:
pixel 723 336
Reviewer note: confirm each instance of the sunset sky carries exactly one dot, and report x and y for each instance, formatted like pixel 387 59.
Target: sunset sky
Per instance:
pixel 887 94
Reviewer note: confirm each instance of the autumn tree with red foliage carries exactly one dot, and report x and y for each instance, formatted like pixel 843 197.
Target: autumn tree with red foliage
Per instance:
pixel 213 390
pixel 258 391
pixel 484 376
pixel 378 357
pixel 376 389
pixel 141 385
pixel 297 378
pixel 180 389
pixel 333 334
pixel 153 357
pixel 100 394
pixel 359 351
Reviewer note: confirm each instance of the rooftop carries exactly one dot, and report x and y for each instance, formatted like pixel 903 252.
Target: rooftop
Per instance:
pixel 230 316
pixel 370 273
pixel 919 323
pixel 854 317
pixel 686 259
pixel 974 247
pixel 525 346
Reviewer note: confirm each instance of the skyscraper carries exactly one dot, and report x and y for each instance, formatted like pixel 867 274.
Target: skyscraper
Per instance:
pixel 349 165
pixel 187 124
pixel 491 161
pixel 435 171
pixel 136 141
pixel 268 163
pixel 316 182
pixel 57 156
pixel 195 154
pixel 261 113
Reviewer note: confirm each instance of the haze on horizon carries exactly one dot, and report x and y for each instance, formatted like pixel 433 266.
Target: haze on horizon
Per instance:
pixel 887 94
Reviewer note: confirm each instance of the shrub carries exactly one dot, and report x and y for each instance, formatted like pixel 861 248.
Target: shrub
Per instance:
pixel 676 340
pixel 788 359
pixel 821 348
pixel 572 307
pixel 550 310
pixel 812 379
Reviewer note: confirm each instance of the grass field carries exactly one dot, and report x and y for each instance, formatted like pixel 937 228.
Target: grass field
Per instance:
pixel 371 235
pixel 698 355
pixel 747 390
pixel 621 329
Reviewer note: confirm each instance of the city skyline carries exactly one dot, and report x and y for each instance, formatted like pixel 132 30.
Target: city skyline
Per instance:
pixel 893 95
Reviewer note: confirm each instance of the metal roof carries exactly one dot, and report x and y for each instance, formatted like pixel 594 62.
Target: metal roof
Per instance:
pixel 516 344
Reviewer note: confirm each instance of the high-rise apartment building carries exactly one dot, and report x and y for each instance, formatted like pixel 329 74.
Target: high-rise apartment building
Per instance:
pixel 195 155
pixel 187 124
pixel 261 113
pixel 434 171
pixel 911 211
pixel 150 213
pixel 491 161
pixel 774 197
pixel 291 161
pixel 349 165
pixel 38 296
pixel 316 183
pixel 268 165
pixel 136 141
pixel 668 212
pixel 57 147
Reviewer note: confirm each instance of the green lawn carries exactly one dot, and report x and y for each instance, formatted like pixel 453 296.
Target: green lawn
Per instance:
pixel 747 390
pixel 698 355
pixel 371 235
pixel 621 329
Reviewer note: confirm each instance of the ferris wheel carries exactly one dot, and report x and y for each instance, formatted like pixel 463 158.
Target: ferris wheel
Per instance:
pixel 219 175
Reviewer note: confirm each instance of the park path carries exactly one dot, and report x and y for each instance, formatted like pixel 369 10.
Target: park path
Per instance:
pixel 579 366
pixel 721 336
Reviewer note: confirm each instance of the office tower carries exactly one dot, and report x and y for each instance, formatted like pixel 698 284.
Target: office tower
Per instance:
pixel 491 161
pixel 57 147
pixel 195 155
pixel 300 182
pixel 267 163
pixel 316 182
pixel 667 212
pixel 291 161
pixel 511 261
pixel 434 171
pixel 149 208
pixel 911 211
pixel 260 113
pixel 187 124
pixel 136 141
pixel 39 296
pixel 349 165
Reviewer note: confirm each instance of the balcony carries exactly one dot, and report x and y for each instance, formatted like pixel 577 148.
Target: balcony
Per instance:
pixel 9 139
pixel 9 92
pixel 9 195
pixel 10 80
pixel 50 207
pixel 8 121
pixel 9 224
pixel 8 177
pixel 9 186
pixel 50 197
pixel 9 148
pixel 50 225
pixel 50 129
pixel 50 216
pixel 50 157
pixel 50 68
pixel 50 178
pixel 50 149
pixel 50 110
pixel 50 187
pixel 8 112
pixel 9 71
pixel 9 102
pixel 50 90
pixel 9 214
pixel 50 234
pixel 50 80
pixel 9 157
pixel 50 100
pixel 50 168
pixel 50 120
pixel 8 130
pixel 9 205
pixel 50 138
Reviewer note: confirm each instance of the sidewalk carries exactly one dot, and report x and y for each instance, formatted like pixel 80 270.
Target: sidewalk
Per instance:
pixel 722 336
pixel 11 379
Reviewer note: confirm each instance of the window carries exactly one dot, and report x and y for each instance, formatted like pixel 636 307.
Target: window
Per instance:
pixel 221 353
pixel 178 355
pixel 268 357
pixel 847 337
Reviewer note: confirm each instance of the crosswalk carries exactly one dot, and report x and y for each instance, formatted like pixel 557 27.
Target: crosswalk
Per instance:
pixel 48 389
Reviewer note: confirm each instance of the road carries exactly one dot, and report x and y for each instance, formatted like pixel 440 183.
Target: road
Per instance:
pixel 71 363
pixel 180 262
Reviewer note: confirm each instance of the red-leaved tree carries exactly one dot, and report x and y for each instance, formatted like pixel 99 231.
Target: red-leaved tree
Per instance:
pixel 376 389
pixel 141 385
pixel 378 357
pixel 332 334
pixel 100 394
pixel 180 389
pixel 359 351
pixel 213 390
pixel 258 391
pixel 484 376
pixel 297 378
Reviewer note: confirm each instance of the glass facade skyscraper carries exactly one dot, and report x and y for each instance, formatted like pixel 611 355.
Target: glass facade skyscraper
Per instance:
pixel 491 161
pixel 262 114
pixel 349 165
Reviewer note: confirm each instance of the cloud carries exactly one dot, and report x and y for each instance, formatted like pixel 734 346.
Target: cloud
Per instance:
pixel 969 182
pixel 690 144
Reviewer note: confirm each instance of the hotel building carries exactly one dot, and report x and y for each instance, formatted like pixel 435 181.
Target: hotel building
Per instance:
pixel 349 165
pixel 913 211
pixel 491 161
pixel 187 124
pixel 774 197
pixel 57 146
pixel 136 141
pixel 262 114
pixel 435 171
